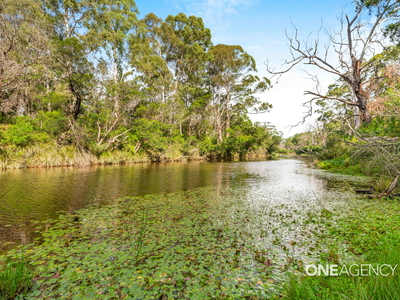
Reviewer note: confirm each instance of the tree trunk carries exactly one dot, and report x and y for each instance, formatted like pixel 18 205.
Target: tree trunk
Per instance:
pixel 48 91
pixel 362 106
pixel 219 134
pixel 219 127
pixel 228 118
pixel 359 93
pixel 115 76
pixel 78 99
pixel 356 119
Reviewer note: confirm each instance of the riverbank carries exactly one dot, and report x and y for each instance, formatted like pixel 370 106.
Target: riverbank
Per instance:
pixel 54 155
pixel 341 165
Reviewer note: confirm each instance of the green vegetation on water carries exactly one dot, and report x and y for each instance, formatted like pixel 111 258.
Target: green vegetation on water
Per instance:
pixel 212 243
pixel 176 246
pixel 341 165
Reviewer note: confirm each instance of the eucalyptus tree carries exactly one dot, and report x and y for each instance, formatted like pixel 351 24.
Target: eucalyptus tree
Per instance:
pixel 148 57
pixel 170 57
pixel 187 43
pixel 110 25
pixel 71 65
pixel 233 85
pixel 24 44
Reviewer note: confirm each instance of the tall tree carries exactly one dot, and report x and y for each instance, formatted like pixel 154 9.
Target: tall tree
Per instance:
pixel 24 44
pixel 70 48
pixel 233 84
pixel 148 57
pixel 110 25
pixel 187 43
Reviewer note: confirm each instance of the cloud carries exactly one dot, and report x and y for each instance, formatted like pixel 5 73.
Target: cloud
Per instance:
pixel 216 13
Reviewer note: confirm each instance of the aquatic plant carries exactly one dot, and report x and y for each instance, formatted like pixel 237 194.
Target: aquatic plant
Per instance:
pixel 204 243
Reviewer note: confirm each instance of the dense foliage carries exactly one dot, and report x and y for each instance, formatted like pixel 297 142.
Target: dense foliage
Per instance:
pixel 92 80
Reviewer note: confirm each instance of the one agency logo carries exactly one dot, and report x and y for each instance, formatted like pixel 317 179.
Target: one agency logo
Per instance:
pixel 353 270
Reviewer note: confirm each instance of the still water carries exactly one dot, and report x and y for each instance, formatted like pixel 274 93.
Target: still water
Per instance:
pixel 40 194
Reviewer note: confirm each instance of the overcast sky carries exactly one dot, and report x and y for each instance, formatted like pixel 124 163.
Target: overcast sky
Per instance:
pixel 259 27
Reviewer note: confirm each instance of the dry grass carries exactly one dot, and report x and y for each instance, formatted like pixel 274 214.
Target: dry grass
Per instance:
pixel 54 155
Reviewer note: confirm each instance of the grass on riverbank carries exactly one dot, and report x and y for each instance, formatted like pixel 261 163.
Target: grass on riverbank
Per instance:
pixel 54 155
pixel 372 235
pixel 341 165
pixel 16 277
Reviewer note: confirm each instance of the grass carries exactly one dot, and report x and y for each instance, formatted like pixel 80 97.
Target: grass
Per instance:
pixel 357 288
pixel 376 242
pixel 381 185
pixel 15 275
pixel 16 278
pixel 341 165
pixel 54 155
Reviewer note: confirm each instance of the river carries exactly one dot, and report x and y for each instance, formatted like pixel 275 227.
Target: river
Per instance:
pixel 41 194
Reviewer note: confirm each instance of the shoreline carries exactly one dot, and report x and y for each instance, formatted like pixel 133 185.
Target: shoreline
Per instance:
pixel 119 158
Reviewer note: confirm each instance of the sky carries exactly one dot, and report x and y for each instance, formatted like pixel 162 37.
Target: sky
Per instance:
pixel 259 27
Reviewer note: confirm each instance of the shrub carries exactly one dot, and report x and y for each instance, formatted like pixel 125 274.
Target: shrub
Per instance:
pixel 20 134
pixel 382 185
pixel 53 122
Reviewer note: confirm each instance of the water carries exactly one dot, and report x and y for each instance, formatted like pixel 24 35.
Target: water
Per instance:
pixel 40 194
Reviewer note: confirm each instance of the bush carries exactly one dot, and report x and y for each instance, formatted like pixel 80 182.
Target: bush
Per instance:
pixel 20 134
pixel 53 122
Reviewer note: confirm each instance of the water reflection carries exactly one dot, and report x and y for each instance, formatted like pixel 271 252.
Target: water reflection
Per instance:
pixel 38 194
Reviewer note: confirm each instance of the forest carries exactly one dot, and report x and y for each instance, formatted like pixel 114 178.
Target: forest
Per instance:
pixel 86 82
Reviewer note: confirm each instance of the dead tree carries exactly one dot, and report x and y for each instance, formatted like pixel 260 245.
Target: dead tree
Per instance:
pixel 355 44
